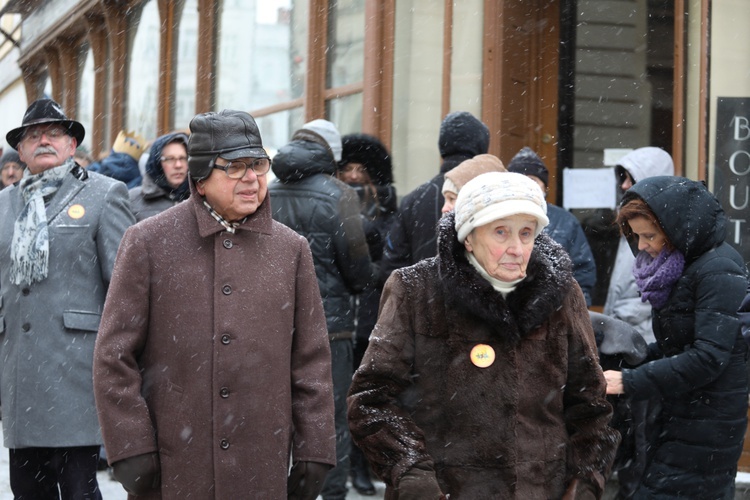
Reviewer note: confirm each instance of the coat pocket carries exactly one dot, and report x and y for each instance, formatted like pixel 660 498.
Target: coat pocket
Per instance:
pixel 81 320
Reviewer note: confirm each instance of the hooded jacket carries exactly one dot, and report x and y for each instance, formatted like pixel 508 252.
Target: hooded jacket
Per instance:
pixel 309 199
pixel 623 298
pixel 413 235
pixel 120 166
pixel 156 194
pixel 698 366
pixel 523 427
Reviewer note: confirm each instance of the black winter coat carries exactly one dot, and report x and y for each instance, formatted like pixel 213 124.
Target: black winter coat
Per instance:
pixel 698 366
pixel 307 198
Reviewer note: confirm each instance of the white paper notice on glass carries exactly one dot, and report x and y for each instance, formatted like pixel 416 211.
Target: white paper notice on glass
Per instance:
pixel 589 188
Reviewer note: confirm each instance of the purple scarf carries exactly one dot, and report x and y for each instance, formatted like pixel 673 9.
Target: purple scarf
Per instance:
pixel 655 277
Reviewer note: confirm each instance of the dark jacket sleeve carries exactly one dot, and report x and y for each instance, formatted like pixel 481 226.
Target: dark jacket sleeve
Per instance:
pixel 397 249
pixel 386 433
pixel 584 267
pixel 350 246
pixel 744 315
pixel 715 332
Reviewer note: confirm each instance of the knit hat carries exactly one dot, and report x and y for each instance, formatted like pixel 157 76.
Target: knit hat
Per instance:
pixel 324 133
pixel 496 195
pixel 463 134
pixel 230 134
pixel 468 169
pixel 527 162
pixel 371 154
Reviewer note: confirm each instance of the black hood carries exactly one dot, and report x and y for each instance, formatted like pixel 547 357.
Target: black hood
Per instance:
pixel 155 171
pixel 691 217
pixel 300 159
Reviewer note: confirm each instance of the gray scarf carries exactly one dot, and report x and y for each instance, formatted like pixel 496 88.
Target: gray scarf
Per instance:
pixel 29 252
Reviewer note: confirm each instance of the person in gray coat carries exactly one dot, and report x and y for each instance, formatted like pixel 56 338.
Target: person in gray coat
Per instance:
pixel 165 182
pixel 58 241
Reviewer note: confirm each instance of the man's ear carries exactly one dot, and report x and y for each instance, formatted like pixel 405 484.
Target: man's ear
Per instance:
pixel 200 188
pixel 467 244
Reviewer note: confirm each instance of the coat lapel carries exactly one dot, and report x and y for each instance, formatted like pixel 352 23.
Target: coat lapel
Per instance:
pixel 68 190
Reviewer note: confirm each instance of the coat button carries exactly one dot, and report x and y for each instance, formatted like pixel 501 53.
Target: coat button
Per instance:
pixel 226 289
pixel 26 327
pixel 224 444
pixel 224 392
pixel 25 291
pixel 225 339
pixel 228 244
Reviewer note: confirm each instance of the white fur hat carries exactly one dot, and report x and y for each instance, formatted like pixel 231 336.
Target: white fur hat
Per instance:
pixel 496 195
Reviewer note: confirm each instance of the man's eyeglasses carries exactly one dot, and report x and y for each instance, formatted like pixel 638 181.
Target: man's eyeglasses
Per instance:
pixel 236 169
pixel 171 160
pixel 35 134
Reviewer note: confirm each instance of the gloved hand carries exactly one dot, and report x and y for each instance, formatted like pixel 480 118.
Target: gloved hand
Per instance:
pixel 139 474
pixel 419 483
pixel 306 480
pixel 579 490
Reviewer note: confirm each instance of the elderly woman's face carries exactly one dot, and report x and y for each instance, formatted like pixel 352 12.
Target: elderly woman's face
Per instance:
pixel 503 247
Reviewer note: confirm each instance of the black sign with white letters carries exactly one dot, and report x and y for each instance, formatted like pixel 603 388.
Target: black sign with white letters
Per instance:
pixel 732 181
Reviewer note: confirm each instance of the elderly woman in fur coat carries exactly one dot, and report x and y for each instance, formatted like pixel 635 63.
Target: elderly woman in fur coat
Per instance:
pixel 481 380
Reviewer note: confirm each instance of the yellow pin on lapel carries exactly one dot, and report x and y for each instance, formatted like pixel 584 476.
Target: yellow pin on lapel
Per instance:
pixel 482 355
pixel 76 211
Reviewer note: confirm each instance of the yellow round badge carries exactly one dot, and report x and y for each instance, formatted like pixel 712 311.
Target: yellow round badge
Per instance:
pixel 482 355
pixel 76 211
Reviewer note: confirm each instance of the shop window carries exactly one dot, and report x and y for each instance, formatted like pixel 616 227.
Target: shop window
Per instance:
pixel 346 42
pixel 143 71
pixel 274 128
pixel 262 63
pixel 187 60
pixel 86 92
pixel 346 113
pixel 261 54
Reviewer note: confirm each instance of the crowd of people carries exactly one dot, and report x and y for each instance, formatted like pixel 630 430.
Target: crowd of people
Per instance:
pixel 211 333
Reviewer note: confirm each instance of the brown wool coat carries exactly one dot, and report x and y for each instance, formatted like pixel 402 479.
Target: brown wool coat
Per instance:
pixel 523 427
pixel 213 351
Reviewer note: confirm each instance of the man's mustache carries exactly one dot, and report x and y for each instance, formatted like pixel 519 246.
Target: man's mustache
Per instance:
pixel 43 150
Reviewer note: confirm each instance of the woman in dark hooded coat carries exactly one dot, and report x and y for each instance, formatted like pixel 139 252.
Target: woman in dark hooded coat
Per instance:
pixel 166 181
pixel 481 380
pixel 695 283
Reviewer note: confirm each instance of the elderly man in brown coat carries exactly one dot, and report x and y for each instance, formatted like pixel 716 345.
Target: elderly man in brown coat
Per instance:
pixel 212 363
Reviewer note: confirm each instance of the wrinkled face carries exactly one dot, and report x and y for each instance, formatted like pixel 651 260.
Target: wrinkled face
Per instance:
pixel 46 146
pixel 354 173
pixel 503 247
pixel 450 201
pixel 11 173
pixel 651 238
pixel 233 199
pixel 174 163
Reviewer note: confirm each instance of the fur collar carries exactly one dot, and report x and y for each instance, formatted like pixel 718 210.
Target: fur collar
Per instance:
pixel 549 275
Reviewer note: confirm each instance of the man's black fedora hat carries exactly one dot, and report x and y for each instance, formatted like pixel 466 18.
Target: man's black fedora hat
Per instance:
pixel 44 111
